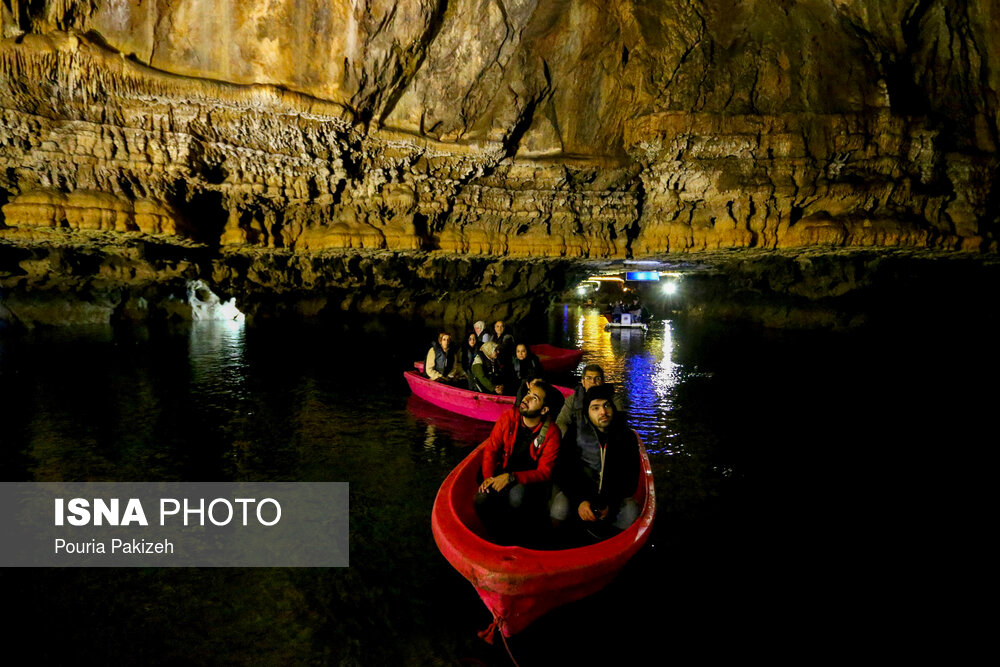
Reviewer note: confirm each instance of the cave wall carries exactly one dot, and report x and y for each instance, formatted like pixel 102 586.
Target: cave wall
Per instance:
pixel 566 129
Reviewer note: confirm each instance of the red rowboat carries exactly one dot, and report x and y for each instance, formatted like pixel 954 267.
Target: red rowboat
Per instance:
pixel 556 359
pixel 487 407
pixel 518 585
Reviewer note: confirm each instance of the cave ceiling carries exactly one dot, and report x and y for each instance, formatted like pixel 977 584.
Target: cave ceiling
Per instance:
pixel 569 129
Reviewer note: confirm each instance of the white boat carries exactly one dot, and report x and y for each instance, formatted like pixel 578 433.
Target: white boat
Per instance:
pixel 626 322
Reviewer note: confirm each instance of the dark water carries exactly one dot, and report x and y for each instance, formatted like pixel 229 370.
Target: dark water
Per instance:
pixel 799 478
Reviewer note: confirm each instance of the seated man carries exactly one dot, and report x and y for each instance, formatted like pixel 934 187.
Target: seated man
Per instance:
pixel 593 376
pixel 598 469
pixel 517 464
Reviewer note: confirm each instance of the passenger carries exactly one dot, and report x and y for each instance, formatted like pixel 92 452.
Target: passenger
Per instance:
pixel 486 376
pixel 469 353
pixel 505 363
pixel 498 330
pixel 593 376
pixel 482 335
pixel 598 470
pixel 441 364
pixel 526 364
pixel 517 465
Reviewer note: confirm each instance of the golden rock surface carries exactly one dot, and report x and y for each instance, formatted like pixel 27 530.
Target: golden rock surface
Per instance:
pixel 531 129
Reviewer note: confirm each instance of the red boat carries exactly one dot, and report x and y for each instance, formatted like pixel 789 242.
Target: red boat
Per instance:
pixel 556 359
pixel 518 585
pixel 487 407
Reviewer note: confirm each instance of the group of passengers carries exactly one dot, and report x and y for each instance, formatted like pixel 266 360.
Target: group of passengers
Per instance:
pixel 557 471
pixel 489 361
pixel 633 308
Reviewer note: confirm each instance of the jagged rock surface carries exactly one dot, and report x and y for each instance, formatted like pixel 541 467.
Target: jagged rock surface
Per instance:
pixel 96 277
pixel 512 127
pixel 515 128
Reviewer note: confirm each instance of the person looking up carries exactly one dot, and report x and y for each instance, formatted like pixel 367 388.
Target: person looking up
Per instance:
pixel 517 464
pixel 598 470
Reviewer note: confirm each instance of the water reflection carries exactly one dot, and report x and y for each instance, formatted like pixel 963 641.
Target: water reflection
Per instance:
pixel 217 357
pixel 446 428
pixel 641 364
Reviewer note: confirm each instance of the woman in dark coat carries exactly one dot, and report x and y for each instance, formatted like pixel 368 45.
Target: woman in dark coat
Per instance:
pixel 526 364
pixel 468 352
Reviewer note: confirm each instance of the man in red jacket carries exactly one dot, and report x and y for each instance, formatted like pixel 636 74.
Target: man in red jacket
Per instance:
pixel 517 463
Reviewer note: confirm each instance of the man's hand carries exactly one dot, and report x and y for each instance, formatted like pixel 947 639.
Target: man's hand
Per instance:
pixel 498 483
pixel 588 514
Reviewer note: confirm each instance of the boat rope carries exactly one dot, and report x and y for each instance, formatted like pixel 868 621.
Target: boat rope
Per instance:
pixel 487 634
pixel 511 655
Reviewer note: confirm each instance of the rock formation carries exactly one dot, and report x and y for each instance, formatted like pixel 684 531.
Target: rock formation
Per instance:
pixel 516 128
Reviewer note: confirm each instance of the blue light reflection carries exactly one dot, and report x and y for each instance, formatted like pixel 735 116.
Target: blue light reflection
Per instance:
pixel 642 366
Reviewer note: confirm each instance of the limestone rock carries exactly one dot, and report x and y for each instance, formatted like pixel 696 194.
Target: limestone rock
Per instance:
pixel 89 210
pixel 534 129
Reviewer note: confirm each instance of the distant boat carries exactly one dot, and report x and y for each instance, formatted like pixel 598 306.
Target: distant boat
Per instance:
pixel 610 326
pixel 487 407
pixel 625 321
pixel 519 585
pixel 556 359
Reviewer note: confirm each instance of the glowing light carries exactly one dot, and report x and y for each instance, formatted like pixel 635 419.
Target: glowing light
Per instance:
pixel 670 288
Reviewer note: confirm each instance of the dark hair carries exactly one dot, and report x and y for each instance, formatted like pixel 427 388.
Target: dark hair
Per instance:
pixel 593 368
pixel 599 392
pixel 553 397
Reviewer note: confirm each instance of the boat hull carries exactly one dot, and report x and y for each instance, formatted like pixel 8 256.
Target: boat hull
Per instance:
pixel 614 325
pixel 556 359
pixel 487 407
pixel 519 585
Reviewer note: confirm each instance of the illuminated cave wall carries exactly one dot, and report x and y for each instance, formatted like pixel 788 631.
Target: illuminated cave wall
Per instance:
pixel 524 129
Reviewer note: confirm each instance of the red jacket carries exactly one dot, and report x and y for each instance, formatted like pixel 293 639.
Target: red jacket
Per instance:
pixel 500 445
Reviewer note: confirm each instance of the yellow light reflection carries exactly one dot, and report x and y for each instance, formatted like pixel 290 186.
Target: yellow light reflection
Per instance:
pixel 597 343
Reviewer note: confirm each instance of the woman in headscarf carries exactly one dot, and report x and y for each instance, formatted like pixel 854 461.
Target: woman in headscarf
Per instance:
pixel 486 376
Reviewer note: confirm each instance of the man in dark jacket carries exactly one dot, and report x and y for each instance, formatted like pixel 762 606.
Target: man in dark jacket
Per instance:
pixel 593 376
pixel 517 463
pixel 598 469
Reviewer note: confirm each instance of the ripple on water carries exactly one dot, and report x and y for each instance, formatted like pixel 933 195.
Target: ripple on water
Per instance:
pixel 640 363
